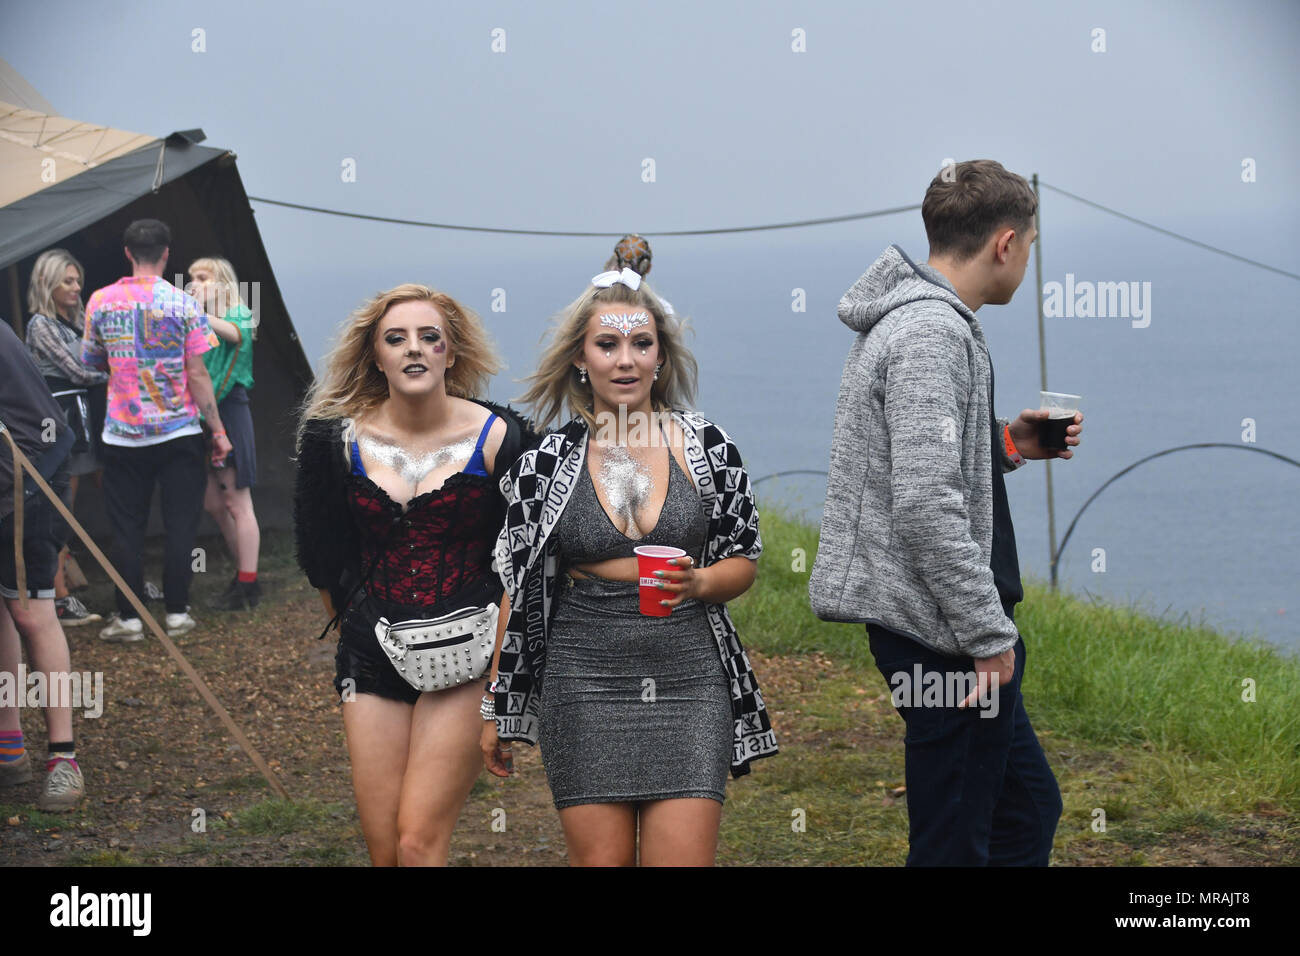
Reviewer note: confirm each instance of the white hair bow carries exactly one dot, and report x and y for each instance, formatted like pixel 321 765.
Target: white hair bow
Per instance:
pixel 628 277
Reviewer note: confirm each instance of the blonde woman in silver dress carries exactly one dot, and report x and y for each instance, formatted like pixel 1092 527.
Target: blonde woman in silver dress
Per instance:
pixel 640 717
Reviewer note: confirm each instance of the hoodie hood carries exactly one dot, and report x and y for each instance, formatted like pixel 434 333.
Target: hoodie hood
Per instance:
pixel 915 533
pixel 892 281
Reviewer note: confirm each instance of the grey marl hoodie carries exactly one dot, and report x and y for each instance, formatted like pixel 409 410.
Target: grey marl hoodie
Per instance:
pixel 907 528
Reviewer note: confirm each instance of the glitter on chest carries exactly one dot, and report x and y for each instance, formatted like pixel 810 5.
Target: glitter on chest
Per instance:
pixel 415 468
pixel 627 485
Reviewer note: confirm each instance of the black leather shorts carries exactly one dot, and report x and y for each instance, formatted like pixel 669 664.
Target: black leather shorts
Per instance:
pixel 361 661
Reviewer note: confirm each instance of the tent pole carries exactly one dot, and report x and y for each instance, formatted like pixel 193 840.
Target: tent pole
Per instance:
pixel 1042 370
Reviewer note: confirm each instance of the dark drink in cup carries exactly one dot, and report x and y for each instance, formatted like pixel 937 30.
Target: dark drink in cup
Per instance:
pixel 1051 433
pixel 1061 409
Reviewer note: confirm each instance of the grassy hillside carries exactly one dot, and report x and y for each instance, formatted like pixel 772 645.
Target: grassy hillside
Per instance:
pixel 1175 733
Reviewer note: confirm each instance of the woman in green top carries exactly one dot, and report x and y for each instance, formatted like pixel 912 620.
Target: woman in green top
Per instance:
pixel 230 364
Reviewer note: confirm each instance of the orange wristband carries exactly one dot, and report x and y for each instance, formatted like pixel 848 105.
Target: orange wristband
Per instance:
pixel 1010 446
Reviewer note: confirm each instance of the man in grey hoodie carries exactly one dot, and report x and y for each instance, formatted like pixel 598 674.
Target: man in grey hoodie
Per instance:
pixel 916 535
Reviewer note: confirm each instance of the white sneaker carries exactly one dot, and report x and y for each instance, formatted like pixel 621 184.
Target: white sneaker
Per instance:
pixel 123 631
pixel 178 624
pixel 64 788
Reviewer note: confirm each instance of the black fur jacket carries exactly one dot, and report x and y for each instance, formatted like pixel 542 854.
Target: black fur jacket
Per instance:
pixel 325 536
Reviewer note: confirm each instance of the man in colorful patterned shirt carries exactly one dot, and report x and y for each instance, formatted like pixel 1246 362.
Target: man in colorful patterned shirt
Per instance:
pixel 150 336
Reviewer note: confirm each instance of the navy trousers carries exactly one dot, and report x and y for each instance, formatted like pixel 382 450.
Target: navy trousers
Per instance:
pixel 979 789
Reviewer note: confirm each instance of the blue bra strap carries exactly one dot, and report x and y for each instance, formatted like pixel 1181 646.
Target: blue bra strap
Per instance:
pixel 476 464
pixel 357 467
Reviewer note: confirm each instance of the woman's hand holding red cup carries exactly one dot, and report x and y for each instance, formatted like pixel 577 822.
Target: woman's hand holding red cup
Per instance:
pixel 655 574
pixel 686 583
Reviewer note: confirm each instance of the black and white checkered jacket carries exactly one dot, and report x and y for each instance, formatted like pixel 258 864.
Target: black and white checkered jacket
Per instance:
pixel 537 490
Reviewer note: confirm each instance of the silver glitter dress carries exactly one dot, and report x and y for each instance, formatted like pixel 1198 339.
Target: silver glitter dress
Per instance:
pixel 634 707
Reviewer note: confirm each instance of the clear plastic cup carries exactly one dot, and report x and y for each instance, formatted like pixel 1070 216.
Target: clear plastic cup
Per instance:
pixel 1061 408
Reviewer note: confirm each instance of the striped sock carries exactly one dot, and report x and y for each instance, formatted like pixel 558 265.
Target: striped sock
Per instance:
pixel 11 746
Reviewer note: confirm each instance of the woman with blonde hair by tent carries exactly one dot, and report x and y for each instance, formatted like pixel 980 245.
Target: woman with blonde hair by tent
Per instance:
pixel 54 333
pixel 228 498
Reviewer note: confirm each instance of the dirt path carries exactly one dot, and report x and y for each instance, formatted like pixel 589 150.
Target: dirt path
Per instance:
pixel 157 762
pixel 157 755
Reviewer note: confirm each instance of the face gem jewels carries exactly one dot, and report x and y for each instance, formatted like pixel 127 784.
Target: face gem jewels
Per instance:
pixel 625 322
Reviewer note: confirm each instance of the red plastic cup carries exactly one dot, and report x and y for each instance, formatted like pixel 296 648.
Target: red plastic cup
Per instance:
pixel 649 559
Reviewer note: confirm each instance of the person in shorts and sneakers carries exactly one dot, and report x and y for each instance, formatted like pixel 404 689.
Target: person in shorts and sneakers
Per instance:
pixel 916 535
pixel 36 425
pixel 229 498
pixel 150 337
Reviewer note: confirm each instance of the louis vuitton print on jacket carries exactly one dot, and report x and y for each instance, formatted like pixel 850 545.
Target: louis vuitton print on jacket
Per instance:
pixel 537 490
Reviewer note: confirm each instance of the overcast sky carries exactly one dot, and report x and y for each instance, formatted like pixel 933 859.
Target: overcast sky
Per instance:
pixel 554 131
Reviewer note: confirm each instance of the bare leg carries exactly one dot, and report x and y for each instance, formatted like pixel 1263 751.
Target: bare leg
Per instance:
pixel 378 732
pixel 215 505
pixel 247 535
pixel 443 763
pixel 47 649
pixel 681 832
pixel 11 656
pixel 60 582
pixel 600 834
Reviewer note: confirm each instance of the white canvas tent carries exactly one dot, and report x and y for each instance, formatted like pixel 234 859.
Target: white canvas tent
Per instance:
pixel 76 185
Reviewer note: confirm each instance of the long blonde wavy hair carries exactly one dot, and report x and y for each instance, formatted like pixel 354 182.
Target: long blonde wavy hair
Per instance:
pixel 555 386
pixel 47 273
pixel 352 383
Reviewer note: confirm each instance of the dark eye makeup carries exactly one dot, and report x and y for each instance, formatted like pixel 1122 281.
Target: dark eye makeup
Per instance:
pixel 396 338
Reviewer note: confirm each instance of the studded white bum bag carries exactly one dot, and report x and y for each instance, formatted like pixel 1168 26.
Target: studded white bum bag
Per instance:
pixel 441 652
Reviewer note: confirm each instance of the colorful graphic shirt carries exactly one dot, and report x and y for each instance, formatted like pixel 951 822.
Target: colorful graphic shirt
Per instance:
pixel 140 330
